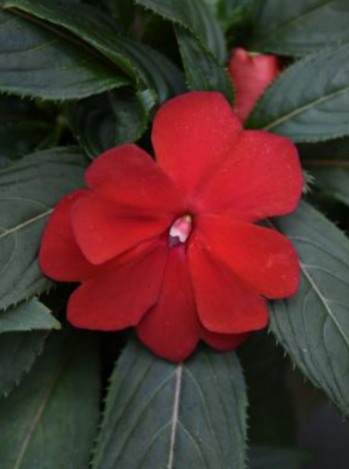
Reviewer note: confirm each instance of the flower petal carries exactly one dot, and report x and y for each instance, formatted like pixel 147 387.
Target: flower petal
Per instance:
pixel 171 327
pixel 223 342
pixel 103 230
pixel 60 257
pixel 261 257
pixel 262 177
pixel 251 75
pixel 128 175
pixel 122 292
pixel 225 304
pixel 191 135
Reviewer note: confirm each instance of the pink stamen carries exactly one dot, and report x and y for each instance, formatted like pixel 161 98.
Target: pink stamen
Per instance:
pixel 180 230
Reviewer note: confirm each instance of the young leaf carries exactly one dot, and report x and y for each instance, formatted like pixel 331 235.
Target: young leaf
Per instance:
pixel 29 190
pixel 309 102
pixel 37 63
pixel 105 121
pixel 50 420
pixel 172 416
pixel 18 352
pixel 28 316
pixel 141 63
pixel 202 70
pixel 313 325
pixel 299 27
pixel 195 17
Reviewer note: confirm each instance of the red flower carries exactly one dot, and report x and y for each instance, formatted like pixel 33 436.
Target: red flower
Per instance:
pixel 171 248
pixel 251 75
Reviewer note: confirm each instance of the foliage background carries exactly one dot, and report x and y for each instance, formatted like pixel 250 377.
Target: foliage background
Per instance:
pixel 78 77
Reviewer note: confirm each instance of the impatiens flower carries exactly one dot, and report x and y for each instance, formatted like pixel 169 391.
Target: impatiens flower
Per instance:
pixel 170 247
pixel 251 75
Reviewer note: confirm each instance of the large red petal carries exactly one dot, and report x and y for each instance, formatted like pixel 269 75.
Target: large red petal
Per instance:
pixel 128 175
pixel 171 328
pixel 225 303
pixel 251 75
pixel 103 230
pixel 60 257
pixel 262 177
pixel 223 342
pixel 122 292
pixel 261 257
pixel 191 135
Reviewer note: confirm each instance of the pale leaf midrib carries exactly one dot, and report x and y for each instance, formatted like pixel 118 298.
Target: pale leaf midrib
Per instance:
pixel 25 224
pixel 175 415
pixel 40 412
pixel 301 109
pixel 319 294
pixel 292 21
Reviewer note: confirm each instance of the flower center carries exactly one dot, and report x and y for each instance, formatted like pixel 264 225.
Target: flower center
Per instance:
pixel 180 230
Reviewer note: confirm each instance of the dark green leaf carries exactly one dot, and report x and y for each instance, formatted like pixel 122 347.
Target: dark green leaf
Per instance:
pixel 276 458
pixel 334 181
pixel 299 27
pixel 161 415
pixel 123 11
pixel 18 352
pixel 141 63
pixel 50 420
pixel 313 325
pixel 331 151
pixel 202 70
pixel 29 189
pixel 230 12
pixel 309 102
pixel 20 138
pixel 271 421
pixel 22 128
pixel 35 62
pixel 28 316
pixel 105 121
pixel 194 16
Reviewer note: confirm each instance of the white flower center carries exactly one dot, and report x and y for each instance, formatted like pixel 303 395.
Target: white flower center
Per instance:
pixel 180 230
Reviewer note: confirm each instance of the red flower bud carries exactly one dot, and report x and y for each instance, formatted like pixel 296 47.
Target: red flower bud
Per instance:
pixel 251 75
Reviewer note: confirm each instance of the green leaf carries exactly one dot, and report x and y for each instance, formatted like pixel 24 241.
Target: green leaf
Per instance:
pixel 18 352
pixel 194 16
pixel 37 63
pixel 28 316
pixel 105 121
pixel 276 458
pixel 200 40
pixel 309 102
pixel 50 420
pixel 299 27
pixel 187 415
pixel 29 190
pixel 203 72
pixel 140 62
pixel 313 325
